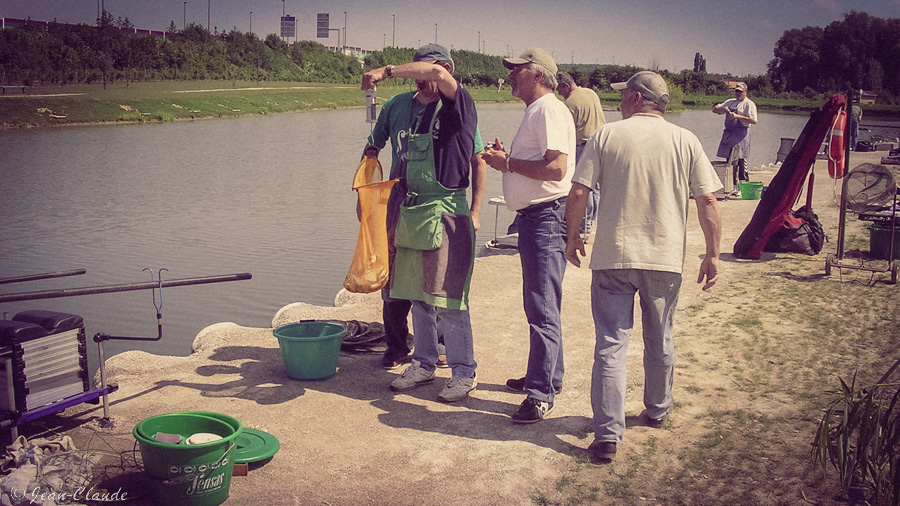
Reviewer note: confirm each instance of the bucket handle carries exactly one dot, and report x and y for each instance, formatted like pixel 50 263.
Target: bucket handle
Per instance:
pixel 190 477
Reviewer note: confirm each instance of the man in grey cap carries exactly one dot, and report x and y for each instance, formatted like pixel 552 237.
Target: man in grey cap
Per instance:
pixel 537 176
pixel 433 138
pixel 647 169
pixel 740 114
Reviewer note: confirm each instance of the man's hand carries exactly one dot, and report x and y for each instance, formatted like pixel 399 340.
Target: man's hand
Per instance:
pixel 709 271
pixel 495 156
pixel 373 77
pixel 573 248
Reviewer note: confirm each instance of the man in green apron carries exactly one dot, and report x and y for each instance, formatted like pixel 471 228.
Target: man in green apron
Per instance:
pixel 435 236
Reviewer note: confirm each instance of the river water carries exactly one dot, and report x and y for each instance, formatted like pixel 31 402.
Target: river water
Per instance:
pixel 268 195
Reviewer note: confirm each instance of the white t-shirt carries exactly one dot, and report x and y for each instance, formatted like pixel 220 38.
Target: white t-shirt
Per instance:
pixel 647 169
pixel 547 125
pixel 745 107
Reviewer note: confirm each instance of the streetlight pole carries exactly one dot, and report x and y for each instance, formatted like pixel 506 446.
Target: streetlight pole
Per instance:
pixel 478 48
pixel 435 33
pixel 393 30
pixel 184 20
pixel 208 10
pixel 251 23
pixel 344 48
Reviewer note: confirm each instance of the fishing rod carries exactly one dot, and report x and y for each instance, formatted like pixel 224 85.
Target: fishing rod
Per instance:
pixel 46 275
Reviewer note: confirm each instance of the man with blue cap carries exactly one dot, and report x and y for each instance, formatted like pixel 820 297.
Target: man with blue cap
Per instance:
pixel 431 226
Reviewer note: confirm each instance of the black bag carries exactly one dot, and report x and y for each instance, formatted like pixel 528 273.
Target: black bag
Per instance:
pixel 864 146
pixel 801 233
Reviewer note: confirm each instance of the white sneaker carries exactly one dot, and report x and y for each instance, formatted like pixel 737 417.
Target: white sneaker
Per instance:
pixel 457 388
pixel 413 376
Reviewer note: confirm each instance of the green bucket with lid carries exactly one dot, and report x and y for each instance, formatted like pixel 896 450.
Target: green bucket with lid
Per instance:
pixel 184 474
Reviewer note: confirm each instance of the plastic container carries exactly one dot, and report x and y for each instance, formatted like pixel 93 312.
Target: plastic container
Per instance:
pixel 188 475
pixel 751 190
pixel 310 350
pixel 880 241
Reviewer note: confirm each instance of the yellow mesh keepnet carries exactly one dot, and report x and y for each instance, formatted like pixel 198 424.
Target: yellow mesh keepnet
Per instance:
pixel 370 268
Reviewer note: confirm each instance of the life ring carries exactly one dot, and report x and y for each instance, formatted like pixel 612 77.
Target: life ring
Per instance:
pixel 836 146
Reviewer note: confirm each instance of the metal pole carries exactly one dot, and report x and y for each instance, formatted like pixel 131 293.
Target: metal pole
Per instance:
pixel 208 9
pixel 393 30
pixel 345 32
pixel 184 20
pixel 48 275
pixel 435 33
pixel 149 285
pixel 251 23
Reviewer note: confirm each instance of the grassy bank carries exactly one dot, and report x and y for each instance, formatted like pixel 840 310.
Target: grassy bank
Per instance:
pixel 181 100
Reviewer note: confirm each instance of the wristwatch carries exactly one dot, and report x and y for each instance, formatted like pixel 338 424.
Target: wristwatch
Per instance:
pixel 389 70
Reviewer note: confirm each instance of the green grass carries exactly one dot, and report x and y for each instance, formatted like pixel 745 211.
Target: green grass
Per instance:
pixel 179 100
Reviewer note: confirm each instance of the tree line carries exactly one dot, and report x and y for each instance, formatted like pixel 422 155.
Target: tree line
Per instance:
pixel 859 51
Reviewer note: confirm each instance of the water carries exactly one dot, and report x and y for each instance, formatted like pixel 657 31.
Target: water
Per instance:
pixel 268 195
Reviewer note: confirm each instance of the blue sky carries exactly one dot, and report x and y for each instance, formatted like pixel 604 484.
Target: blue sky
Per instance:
pixel 735 37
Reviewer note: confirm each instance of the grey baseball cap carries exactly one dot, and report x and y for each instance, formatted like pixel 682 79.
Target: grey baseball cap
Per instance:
pixel 534 55
pixel 651 85
pixel 434 52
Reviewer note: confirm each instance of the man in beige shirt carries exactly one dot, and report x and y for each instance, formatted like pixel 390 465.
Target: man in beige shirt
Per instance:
pixel 584 104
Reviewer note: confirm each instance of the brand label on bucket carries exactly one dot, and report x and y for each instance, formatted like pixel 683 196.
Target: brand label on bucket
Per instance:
pixel 204 478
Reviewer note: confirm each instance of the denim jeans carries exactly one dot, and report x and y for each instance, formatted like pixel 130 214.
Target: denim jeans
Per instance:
pixel 612 303
pixel 542 251
pixel 455 326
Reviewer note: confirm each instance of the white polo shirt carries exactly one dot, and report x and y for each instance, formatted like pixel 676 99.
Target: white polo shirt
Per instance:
pixel 547 125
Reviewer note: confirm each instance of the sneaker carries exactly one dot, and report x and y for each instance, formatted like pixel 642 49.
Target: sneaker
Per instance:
pixel 602 452
pixel 532 411
pixel 518 385
pixel 457 389
pixel 413 376
pixel 655 423
pixel 391 362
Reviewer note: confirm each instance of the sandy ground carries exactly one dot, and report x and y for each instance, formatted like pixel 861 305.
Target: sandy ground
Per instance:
pixel 351 440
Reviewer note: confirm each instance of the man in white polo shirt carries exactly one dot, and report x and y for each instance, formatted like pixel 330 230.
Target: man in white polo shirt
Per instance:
pixel 537 176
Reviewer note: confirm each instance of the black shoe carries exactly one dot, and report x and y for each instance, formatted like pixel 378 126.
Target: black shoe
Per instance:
pixel 518 385
pixel 532 411
pixel 655 423
pixel 602 452
pixel 390 362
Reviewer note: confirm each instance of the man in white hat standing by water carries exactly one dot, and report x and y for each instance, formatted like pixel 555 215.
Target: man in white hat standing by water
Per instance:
pixel 740 114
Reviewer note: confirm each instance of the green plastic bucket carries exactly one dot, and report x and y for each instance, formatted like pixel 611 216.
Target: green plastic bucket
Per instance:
pixel 310 350
pixel 880 240
pixel 188 474
pixel 751 190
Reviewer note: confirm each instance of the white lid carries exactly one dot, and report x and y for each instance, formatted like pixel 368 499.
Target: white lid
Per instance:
pixel 202 437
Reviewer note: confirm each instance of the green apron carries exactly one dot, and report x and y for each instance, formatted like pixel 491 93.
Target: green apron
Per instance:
pixel 436 243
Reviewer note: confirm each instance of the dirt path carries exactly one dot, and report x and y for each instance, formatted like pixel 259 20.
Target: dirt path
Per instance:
pixel 755 358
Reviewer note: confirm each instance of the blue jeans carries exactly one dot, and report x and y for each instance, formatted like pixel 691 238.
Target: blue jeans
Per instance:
pixel 542 251
pixel 590 214
pixel 455 326
pixel 612 302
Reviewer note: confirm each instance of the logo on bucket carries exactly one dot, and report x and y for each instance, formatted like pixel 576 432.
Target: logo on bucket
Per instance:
pixel 200 483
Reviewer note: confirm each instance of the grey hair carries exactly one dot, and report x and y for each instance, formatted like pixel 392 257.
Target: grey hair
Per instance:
pixel 549 80
pixel 653 105
pixel 565 78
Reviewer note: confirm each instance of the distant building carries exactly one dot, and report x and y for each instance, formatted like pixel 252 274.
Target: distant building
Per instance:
pixel 867 97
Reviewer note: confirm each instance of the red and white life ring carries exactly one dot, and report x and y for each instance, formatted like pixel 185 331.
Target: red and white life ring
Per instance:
pixel 836 146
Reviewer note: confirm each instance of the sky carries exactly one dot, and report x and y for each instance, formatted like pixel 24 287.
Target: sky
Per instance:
pixel 736 37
